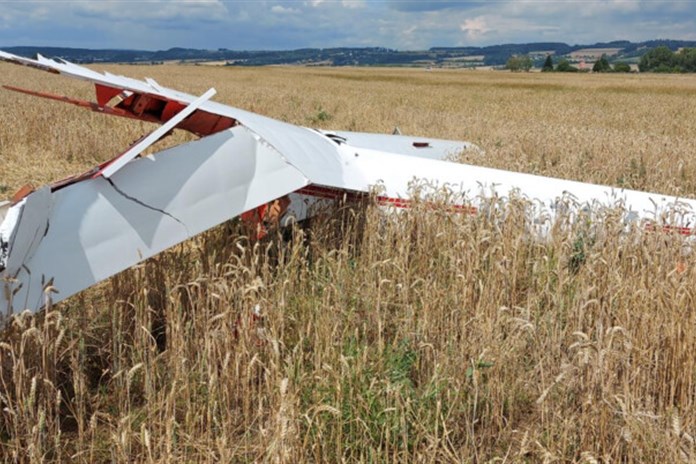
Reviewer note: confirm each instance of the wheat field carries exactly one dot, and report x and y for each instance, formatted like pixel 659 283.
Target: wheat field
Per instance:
pixel 369 337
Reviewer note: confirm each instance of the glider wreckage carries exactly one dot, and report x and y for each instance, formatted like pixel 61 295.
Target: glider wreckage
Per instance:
pixel 78 231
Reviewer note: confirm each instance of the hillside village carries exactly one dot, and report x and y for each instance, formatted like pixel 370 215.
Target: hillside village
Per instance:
pixel 581 57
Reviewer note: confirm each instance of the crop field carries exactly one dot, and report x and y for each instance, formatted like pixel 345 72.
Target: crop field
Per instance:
pixel 425 336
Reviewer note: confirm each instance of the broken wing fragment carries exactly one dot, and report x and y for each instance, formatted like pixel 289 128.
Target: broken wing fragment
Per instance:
pixel 87 231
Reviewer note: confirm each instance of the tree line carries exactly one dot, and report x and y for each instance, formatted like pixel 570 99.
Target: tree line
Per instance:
pixel 525 63
pixel 662 59
pixel 659 59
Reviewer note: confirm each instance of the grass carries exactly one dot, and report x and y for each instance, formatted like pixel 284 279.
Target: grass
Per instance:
pixel 369 337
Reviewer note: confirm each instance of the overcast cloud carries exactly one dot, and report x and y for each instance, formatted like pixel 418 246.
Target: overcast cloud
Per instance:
pixel 400 24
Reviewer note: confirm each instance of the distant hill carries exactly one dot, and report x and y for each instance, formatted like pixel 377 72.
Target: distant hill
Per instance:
pixel 495 55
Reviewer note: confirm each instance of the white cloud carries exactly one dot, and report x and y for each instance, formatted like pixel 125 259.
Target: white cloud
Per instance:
pixel 475 28
pixel 280 9
pixel 353 3
pixel 344 3
pixel 625 5
pixel 429 5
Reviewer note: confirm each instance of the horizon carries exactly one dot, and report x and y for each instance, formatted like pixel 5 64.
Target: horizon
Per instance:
pixel 589 44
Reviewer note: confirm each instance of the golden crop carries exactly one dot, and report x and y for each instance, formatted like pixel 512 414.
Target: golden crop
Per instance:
pixel 426 336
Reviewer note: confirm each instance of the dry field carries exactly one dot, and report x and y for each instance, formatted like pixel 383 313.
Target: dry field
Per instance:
pixel 425 337
pixel 594 53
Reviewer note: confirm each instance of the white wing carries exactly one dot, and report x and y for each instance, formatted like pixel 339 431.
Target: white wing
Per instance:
pixel 78 235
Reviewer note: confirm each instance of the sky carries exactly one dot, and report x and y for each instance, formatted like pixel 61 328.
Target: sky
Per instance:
pixel 282 25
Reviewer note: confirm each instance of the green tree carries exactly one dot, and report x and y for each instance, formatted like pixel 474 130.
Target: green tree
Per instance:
pixel 687 59
pixel 527 63
pixel 602 65
pixel 565 66
pixel 518 63
pixel 659 59
pixel 622 67
pixel 548 64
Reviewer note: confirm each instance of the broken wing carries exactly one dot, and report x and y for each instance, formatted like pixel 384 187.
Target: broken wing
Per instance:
pixel 78 235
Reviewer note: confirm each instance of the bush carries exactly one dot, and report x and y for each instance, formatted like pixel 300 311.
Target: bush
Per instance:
pixel 622 67
pixel 518 63
pixel 565 66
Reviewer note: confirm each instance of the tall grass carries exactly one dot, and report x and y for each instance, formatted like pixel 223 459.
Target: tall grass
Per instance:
pixel 420 336
pixel 371 337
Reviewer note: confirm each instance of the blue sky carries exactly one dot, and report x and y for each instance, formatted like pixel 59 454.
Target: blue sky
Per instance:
pixel 401 24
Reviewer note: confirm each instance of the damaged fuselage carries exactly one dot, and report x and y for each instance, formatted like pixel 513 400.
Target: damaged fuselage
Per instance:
pixel 63 238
